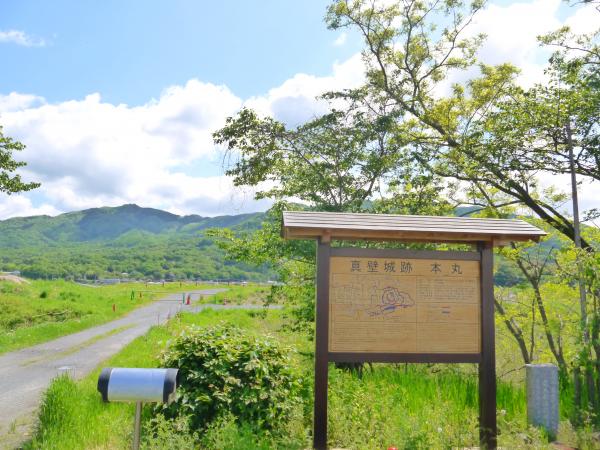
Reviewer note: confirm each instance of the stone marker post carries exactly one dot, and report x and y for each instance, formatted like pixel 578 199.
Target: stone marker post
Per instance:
pixel 68 371
pixel 542 396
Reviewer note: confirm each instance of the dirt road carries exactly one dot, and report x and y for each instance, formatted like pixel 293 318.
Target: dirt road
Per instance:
pixel 26 373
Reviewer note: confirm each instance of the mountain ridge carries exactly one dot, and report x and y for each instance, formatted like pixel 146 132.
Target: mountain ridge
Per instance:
pixel 146 243
pixel 108 223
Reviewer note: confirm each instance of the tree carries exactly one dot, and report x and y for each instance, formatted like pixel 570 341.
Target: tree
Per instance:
pixel 11 183
pixel 293 262
pixel 350 159
pixel 554 127
pixel 399 135
pixel 487 133
pixel 334 162
pixel 535 262
pixel 455 136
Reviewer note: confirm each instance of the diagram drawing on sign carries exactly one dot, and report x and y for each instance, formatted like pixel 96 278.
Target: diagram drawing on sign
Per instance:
pixel 391 299
pixel 381 298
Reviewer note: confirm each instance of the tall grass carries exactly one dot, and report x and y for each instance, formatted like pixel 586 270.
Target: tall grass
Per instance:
pixel 72 414
pixel 44 310
pixel 407 406
pixel 411 407
pixel 236 295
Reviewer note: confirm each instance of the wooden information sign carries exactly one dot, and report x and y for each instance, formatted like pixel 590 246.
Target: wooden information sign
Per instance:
pixel 416 306
pixel 402 305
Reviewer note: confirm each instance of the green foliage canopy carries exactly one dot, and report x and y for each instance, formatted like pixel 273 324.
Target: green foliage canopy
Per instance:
pixel 10 182
pixel 410 48
pixel 335 162
pixel 225 371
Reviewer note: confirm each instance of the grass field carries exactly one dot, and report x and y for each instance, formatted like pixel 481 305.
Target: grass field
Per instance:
pixel 250 294
pixel 407 406
pixel 39 311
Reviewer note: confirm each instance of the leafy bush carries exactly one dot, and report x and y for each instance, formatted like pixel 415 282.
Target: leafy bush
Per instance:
pixel 225 434
pixel 160 433
pixel 224 370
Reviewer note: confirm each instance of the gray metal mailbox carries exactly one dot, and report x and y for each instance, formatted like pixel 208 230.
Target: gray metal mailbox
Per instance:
pixel 137 385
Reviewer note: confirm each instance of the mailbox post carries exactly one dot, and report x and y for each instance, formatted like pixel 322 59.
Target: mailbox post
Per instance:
pixel 137 385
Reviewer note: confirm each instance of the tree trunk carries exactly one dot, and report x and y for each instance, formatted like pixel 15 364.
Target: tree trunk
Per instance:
pixel 554 348
pixel 515 330
pixel 577 416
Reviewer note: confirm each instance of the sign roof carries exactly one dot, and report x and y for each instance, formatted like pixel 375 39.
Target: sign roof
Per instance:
pixel 391 227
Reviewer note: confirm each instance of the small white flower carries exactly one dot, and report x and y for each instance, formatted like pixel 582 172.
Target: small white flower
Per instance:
pixel 439 429
pixel 502 412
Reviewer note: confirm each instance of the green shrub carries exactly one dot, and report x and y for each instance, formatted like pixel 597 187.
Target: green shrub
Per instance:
pixel 224 370
pixel 225 434
pixel 160 433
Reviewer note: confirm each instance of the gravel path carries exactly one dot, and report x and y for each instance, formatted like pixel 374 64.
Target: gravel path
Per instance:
pixel 26 373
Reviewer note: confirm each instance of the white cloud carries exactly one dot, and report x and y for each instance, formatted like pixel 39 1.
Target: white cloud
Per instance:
pixel 89 153
pixel 209 196
pixel 15 102
pixel 512 33
pixel 19 37
pixel 293 102
pixel 585 20
pixel 21 206
pixel 341 39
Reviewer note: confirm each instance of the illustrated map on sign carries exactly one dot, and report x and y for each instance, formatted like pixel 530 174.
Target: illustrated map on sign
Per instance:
pixel 394 305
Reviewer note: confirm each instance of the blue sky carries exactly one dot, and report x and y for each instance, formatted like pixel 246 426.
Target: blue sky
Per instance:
pixel 116 101
pixel 130 50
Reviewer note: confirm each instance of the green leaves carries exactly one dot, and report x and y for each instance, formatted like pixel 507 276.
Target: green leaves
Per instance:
pixel 410 46
pixel 225 371
pixel 11 183
pixel 335 162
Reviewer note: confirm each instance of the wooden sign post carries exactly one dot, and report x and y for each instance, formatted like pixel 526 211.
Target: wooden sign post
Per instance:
pixel 417 306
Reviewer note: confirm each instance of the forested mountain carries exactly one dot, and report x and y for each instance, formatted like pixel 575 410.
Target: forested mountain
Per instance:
pixel 110 241
pixel 143 243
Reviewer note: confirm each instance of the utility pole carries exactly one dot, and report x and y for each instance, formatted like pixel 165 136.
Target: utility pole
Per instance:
pixel 577 232
pixel 585 335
